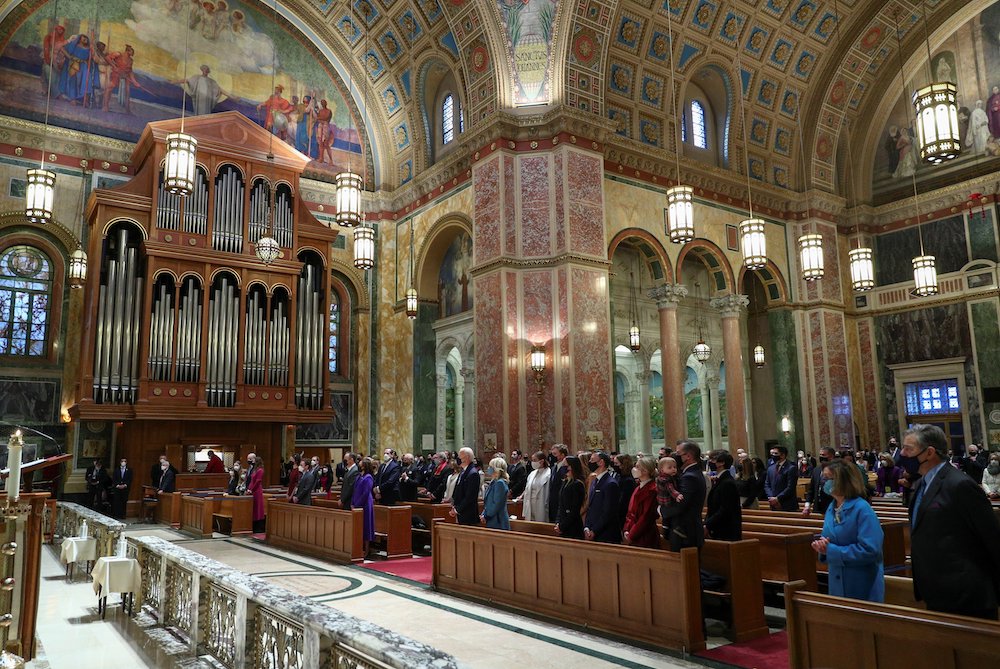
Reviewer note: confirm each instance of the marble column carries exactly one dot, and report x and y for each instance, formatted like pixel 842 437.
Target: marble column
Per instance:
pixel 459 414
pixel 633 419
pixel 674 419
pixel 706 416
pixel 645 436
pixel 442 411
pixel 469 426
pixel 731 306
pixel 713 398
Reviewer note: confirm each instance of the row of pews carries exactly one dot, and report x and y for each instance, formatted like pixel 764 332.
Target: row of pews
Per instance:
pixel 202 511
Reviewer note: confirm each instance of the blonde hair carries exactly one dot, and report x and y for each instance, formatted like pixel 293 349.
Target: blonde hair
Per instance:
pixel 500 465
pixel 647 463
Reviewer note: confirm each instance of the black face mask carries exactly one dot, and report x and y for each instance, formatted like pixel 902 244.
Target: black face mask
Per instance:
pixel 823 458
pixel 592 466
pixel 551 459
pixel 910 465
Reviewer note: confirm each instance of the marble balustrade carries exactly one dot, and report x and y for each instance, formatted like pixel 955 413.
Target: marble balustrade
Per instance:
pixel 103 528
pixel 244 622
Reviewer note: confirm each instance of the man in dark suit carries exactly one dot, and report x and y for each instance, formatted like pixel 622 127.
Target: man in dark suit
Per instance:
pixel 98 483
pixel 816 500
pixel 307 482
pixel 410 479
pixel 558 477
pixel 168 482
pixel 518 474
pixel 601 522
pixel 122 482
pixel 465 497
pixel 685 516
pixel 387 479
pixel 779 485
pixel 350 478
pixel 954 535
pixel 724 518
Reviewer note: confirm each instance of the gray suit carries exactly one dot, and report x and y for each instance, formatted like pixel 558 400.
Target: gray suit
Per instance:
pixel 347 489
pixel 304 489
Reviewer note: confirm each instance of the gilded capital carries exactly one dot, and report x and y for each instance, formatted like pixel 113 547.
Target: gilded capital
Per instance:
pixel 731 305
pixel 667 295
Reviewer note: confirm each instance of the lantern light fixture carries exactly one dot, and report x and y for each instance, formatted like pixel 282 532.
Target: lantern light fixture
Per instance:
pixel 680 208
pixel 862 268
pixel 811 256
pixel 753 243
pixel 633 331
pixel 77 272
pixel 348 199
pixel 538 358
pixel 268 249
pixel 702 351
pixel 411 291
pixel 364 247
pixel 758 356
pixel 179 165
pixel 936 106
pixel 925 275
pixel 41 183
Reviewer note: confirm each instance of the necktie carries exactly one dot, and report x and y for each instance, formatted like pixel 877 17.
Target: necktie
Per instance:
pixel 916 502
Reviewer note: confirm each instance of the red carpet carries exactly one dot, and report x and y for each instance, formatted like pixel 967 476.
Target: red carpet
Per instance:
pixel 769 652
pixel 413 569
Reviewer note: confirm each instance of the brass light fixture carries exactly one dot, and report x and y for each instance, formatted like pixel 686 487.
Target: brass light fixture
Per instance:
pixel 680 205
pixel 182 148
pixel 411 291
pixel 349 183
pixel 702 351
pixel 633 307
pixel 936 106
pixel 40 190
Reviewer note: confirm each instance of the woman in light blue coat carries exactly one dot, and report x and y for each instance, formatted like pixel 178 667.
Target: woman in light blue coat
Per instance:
pixel 495 499
pixel 851 542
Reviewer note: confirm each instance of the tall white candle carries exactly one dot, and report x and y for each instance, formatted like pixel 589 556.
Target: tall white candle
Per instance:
pixel 14 447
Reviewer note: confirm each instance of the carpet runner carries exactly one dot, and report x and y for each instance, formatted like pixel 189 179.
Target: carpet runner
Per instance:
pixel 769 652
pixel 413 569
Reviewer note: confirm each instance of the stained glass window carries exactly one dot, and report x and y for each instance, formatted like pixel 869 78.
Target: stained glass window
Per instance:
pixel 932 397
pixel 25 293
pixel 698 125
pixel 448 119
pixel 334 333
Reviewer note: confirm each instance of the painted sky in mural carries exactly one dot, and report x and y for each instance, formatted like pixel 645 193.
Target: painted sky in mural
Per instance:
pixel 530 26
pixel 115 65
pixel 970 58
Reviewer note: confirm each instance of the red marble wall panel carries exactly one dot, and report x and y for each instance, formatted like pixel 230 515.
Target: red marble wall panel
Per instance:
pixel 585 184
pixel 509 215
pixel 489 357
pixel 536 196
pixel 560 202
pixel 486 215
pixel 537 314
pixel 831 263
pixel 565 382
pixel 590 354
pixel 516 358
pixel 821 390
pixel 837 376
pixel 873 435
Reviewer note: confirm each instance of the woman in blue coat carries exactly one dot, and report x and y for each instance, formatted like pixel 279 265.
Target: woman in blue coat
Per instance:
pixel 495 499
pixel 851 542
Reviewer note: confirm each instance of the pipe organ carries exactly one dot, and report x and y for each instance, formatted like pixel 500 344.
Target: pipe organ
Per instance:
pixel 183 320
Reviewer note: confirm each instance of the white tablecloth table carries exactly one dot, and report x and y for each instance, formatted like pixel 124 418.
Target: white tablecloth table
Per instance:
pixel 116 574
pixel 77 549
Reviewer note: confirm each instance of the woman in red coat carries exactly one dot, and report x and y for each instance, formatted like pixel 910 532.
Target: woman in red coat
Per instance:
pixel 255 487
pixel 640 521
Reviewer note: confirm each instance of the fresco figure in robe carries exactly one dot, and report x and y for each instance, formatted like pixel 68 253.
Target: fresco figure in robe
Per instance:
pixel 278 109
pixel 78 76
pixel 204 91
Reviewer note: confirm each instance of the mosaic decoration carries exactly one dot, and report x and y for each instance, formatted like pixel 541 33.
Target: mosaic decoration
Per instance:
pixel 530 29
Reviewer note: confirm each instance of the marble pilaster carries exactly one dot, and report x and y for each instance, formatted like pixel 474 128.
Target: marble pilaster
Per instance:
pixel 442 391
pixel 731 307
pixel 644 441
pixel 633 419
pixel 674 416
pixel 469 426
pixel 706 416
pixel 716 412
pixel 460 414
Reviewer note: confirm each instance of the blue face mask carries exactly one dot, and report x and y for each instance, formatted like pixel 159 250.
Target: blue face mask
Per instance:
pixel 490 471
pixel 828 487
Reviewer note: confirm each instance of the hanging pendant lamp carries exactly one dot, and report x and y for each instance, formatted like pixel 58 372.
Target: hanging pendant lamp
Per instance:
pixel 936 106
pixel 811 256
pixel 364 247
pixel 925 276
pixel 680 204
pixel 753 243
pixel 77 272
pixel 758 356
pixel 862 269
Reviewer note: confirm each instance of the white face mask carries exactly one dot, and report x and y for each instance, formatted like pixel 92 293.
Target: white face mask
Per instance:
pixel 636 473
pixel 535 464
pixel 386 457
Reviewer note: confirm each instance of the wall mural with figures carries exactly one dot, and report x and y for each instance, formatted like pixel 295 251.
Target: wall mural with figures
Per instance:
pixel 970 58
pixel 113 66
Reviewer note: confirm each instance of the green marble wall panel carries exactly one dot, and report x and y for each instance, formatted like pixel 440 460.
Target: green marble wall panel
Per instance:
pixel 784 358
pixel 982 236
pixel 986 330
pixel 424 373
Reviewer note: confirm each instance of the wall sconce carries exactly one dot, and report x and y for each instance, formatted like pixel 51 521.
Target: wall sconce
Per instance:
pixel 786 424
pixel 538 366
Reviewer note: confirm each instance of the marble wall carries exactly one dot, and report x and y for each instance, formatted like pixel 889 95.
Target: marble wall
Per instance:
pixel 945 239
pixel 783 358
pixel 985 326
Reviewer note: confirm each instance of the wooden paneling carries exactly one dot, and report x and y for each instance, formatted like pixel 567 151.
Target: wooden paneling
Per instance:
pixel 168 509
pixel 394 522
pixel 739 563
pixel 240 509
pixel 193 481
pixel 649 595
pixel 196 514
pixel 839 633
pixel 328 534
pixel 786 557
pixel 30 574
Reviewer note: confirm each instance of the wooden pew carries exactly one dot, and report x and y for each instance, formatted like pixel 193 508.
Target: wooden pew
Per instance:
pixel 513 508
pixel 168 509
pixel 786 557
pixel 328 534
pixel 392 525
pixel 739 563
pixel 899 592
pixel 429 514
pixel 643 594
pixel 837 633
pixel 196 514
pixel 194 480
pixel 236 511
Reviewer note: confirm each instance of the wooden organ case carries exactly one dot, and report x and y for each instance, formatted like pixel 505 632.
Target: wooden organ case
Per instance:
pixel 182 320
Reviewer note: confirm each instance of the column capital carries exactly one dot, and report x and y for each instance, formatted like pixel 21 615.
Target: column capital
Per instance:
pixel 667 295
pixel 643 377
pixel 731 305
pixel 469 374
pixel 442 381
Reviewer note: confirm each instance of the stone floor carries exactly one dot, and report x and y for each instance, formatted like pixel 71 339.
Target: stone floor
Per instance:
pixel 72 635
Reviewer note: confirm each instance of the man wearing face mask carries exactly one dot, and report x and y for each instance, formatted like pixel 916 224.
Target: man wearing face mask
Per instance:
pixel 465 498
pixel 386 489
pixel 954 535
pixel 724 517
pixel 687 528
pixel 557 478
pixel 971 465
pixel 781 481
pixel 307 482
pixel 121 479
pixel 518 474
pixel 817 499
pixel 601 523
pixel 167 480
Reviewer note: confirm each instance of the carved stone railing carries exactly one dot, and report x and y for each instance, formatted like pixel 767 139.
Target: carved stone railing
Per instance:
pixel 103 528
pixel 244 622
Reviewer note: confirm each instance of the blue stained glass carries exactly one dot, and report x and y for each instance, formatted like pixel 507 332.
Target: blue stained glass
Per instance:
pixel 932 397
pixel 334 346
pixel 698 125
pixel 25 293
pixel 447 119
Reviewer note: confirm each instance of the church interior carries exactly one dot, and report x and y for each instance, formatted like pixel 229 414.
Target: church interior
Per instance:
pixel 324 227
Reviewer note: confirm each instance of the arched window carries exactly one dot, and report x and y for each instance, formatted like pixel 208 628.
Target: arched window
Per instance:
pixel 334 344
pixel 25 301
pixel 448 119
pixel 698 125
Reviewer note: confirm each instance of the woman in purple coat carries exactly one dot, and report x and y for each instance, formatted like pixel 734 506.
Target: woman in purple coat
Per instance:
pixel 362 498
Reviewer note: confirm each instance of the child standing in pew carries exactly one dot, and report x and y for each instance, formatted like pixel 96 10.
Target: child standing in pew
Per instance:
pixel 667 493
